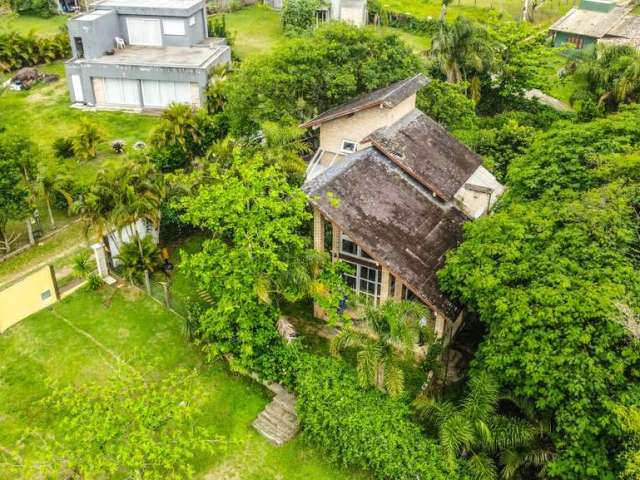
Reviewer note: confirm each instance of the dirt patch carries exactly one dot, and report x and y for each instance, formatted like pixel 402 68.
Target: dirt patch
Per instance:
pixel 131 294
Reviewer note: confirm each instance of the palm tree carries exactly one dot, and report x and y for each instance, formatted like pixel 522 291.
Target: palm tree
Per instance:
pixel 463 51
pixel 178 127
pixel 284 147
pixel 139 196
pixel 137 257
pixel 215 90
pixel 86 142
pixel 390 335
pixel 96 205
pixel 487 439
pixel 612 75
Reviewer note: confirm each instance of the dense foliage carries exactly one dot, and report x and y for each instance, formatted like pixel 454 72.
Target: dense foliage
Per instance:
pixel 299 15
pixel 128 426
pixel 311 74
pixel 364 429
pixel 17 50
pixel 554 276
pixel 253 217
pixel 43 8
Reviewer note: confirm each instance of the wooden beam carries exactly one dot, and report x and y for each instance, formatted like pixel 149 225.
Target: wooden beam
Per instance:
pixel 385 282
pixel 397 292
pixel 335 242
pixel 318 230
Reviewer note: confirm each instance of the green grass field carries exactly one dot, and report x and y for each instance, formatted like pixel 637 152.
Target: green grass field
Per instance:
pixel 44 113
pixel 257 30
pixel 43 348
pixel 27 24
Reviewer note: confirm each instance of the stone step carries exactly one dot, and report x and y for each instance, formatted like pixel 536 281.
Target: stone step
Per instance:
pixel 278 422
pixel 287 402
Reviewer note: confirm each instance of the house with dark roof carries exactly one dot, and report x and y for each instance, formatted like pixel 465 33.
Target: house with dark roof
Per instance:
pixel 597 21
pixel 396 189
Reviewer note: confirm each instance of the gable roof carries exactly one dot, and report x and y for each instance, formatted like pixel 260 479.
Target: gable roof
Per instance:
pixel 590 23
pixel 427 152
pixel 393 218
pixel 388 97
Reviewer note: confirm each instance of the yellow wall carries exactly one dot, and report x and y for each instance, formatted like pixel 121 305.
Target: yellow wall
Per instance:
pixel 26 297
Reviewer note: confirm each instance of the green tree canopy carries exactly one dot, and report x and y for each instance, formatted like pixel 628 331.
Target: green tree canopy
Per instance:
pixel 550 274
pixel 311 74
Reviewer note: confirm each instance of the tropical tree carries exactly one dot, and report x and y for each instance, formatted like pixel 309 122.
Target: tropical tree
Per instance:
pixel 488 440
pixel 139 257
pixel 463 51
pixel 14 196
pixel 87 140
pixel 299 15
pixel 96 205
pixel 611 75
pixel 390 337
pixel 177 138
pixel 253 218
pixel 310 74
pixel 139 197
pixel 285 145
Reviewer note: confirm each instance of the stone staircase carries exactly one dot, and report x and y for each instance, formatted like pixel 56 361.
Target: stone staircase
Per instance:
pixel 278 422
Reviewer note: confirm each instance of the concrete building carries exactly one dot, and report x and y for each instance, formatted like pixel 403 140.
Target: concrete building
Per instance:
pixel 395 188
pixel 142 54
pixel 597 21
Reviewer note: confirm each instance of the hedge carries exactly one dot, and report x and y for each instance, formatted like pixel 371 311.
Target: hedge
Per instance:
pixel 363 428
pixel 18 51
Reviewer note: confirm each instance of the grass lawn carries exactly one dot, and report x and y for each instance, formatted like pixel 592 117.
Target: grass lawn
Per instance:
pixel 27 24
pixel 257 29
pixel 477 9
pixel 43 348
pixel 44 113
pixel 41 252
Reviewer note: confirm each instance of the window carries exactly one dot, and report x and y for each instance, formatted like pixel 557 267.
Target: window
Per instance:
pixel 156 93
pixel 349 247
pixel 349 146
pixel 46 295
pixel 144 31
pixel 577 40
pixel 192 21
pixel 173 27
pixel 119 91
pixel 365 281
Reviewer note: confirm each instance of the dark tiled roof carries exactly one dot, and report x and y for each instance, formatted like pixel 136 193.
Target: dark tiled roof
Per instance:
pixel 427 152
pixel 394 218
pixel 388 96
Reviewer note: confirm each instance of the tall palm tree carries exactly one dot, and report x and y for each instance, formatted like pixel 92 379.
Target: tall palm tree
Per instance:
pixel 178 127
pixel 96 206
pixel 137 257
pixel 611 75
pixel 390 335
pixel 139 196
pixel 491 442
pixel 462 50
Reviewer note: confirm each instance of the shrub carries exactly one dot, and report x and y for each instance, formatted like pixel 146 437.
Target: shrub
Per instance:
pixel 18 51
pixel 63 148
pixel 299 15
pixel 42 8
pixel 363 429
pixel 86 142
pixel 118 146
pixel 94 282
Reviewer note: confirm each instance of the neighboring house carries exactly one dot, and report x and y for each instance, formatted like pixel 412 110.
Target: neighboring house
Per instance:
pixel 396 189
pixel 597 21
pixel 350 11
pixel 142 54
pixel 114 239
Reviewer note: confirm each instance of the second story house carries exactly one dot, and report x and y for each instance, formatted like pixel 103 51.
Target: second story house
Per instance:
pixel 597 21
pixel 354 12
pixel 392 190
pixel 142 54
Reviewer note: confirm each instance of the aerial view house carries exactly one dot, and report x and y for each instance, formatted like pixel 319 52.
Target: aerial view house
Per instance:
pixel 395 188
pixel 142 54
pixel 597 21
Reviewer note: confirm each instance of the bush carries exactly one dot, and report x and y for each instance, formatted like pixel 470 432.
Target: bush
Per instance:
pixel 18 51
pixel 299 15
pixel 42 8
pixel 363 429
pixel 63 148
pixel 118 146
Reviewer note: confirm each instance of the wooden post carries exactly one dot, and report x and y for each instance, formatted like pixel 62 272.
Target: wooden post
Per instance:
pixel 441 322
pixel 167 298
pixel 384 286
pixel 335 242
pixel 397 293
pixel 30 231
pixel 318 230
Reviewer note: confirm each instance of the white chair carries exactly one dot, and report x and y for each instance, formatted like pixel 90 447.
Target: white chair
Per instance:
pixel 119 43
